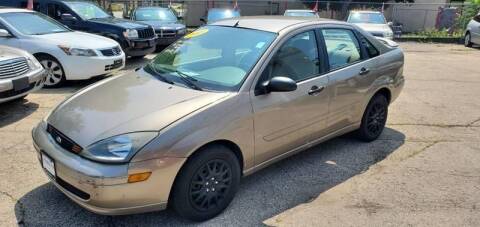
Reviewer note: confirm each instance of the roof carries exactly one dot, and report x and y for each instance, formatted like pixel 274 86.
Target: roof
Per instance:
pixel 270 23
pixel 14 10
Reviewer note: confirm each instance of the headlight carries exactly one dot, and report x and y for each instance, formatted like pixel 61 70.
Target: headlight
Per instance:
pixel 182 31
pixel 78 51
pixel 118 148
pixel 33 63
pixel 388 34
pixel 131 34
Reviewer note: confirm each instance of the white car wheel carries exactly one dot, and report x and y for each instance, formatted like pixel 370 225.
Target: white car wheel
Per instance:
pixel 468 42
pixel 54 71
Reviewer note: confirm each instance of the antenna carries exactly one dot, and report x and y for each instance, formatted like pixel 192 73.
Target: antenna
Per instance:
pixel 236 24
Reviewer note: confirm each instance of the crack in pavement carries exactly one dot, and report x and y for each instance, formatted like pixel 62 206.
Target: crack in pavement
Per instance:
pixel 21 218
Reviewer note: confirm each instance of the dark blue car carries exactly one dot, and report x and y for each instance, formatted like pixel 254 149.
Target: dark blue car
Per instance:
pixel 136 39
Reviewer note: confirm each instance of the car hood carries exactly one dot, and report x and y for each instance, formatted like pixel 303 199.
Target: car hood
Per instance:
pixel 374 27
pixel 79 40
pixel 7 53
pixel 164 25
pixel 126 24
pixel 123 104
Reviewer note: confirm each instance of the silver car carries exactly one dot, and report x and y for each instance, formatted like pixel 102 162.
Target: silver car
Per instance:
pixel 20 73
pixel 373 22
pixel 220 103
pixel 472 33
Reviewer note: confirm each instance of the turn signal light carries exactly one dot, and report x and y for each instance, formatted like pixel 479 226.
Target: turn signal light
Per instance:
pixel 137 177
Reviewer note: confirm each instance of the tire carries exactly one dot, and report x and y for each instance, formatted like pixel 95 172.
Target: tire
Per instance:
pixel 206 184
pixel 468 40
pixel 374 119
pixel 55 73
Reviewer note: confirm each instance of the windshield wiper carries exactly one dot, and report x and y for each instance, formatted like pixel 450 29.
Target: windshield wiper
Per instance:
pixel 189 80
pixel 159 75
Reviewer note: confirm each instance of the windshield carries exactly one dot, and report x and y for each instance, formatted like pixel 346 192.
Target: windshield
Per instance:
pixel 88 10
pixel 155 14
pixel 214 15
pixel 213 57
pixel 33 23
pixel 300 14
pixel 370 18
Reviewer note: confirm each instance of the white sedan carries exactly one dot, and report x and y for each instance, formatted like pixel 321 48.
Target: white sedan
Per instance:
pixel 65 54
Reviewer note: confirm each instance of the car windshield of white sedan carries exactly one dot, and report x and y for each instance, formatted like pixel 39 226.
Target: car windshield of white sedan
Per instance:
pixel 33 23
pixel 212 57
pixel 88 10
pixel 155 15
pixel 369 18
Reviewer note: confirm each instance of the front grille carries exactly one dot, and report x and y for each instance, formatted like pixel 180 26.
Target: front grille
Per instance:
pixel 63 141
pixel 83 195
pixel 116 51
pixel 146 33
pixel 11 93
pixel 164 33
pixel 13 67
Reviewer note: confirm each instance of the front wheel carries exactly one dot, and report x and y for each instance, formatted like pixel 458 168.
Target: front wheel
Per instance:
pixel 206 184
pixel 54 70
pixel 468 40
pixel 374 119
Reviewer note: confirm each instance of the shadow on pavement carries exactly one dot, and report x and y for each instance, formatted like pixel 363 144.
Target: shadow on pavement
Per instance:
pixel 13 111
pixel 283 185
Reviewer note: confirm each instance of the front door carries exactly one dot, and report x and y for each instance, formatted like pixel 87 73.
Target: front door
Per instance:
pixel 285 120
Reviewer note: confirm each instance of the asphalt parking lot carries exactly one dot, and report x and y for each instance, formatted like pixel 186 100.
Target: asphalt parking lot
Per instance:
pixel 424 170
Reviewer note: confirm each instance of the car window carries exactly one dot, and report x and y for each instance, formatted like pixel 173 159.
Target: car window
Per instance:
pixel 342 47
pixel 477 18
pixel 55 11
pixel 216 57
pixel 369 18
pixel 153 14
pixel 33 23
pixel 296 59
pixel 371 50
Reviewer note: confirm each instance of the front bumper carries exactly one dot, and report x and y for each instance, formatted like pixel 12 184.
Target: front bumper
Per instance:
pixel 164 41
pixel 83 68
pixel 106 184
pixel 35 79
pixel 140 47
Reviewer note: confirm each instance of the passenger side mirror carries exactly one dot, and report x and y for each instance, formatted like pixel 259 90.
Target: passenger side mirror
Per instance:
pixel 277 84
pixel 203 20
pixel 67 17
pixel 4 33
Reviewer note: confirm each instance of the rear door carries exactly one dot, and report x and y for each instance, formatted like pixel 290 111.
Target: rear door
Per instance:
pixel 286 120
pixel 351 73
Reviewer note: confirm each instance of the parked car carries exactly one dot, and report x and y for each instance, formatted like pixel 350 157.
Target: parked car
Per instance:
pixel 64 53
pixel 20 73
pixel 223 102
pixel 216 14
pixel 472 33
pixel 300 13
pixel 136 39
pixel 163 20
pixel 373 22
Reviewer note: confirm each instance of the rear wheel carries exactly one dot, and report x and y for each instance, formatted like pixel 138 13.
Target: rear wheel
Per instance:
pixel 206 184
pixel 468 40
pixel 374 118
pixel 54 70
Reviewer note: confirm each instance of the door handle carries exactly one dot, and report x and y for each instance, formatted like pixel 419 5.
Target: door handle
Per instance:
pixel 364 71
pixel 315 90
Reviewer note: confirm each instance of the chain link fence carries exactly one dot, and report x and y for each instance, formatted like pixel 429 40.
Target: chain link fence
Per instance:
pixel 420 16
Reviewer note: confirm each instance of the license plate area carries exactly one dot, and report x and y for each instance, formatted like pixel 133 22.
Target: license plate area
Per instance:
pixel 20 84
pixel 48 164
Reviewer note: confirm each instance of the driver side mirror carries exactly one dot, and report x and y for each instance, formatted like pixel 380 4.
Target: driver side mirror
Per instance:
pixel 203 20
pixel 4 33
pixel 277 84
pixel 390 24
pixel 67 17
